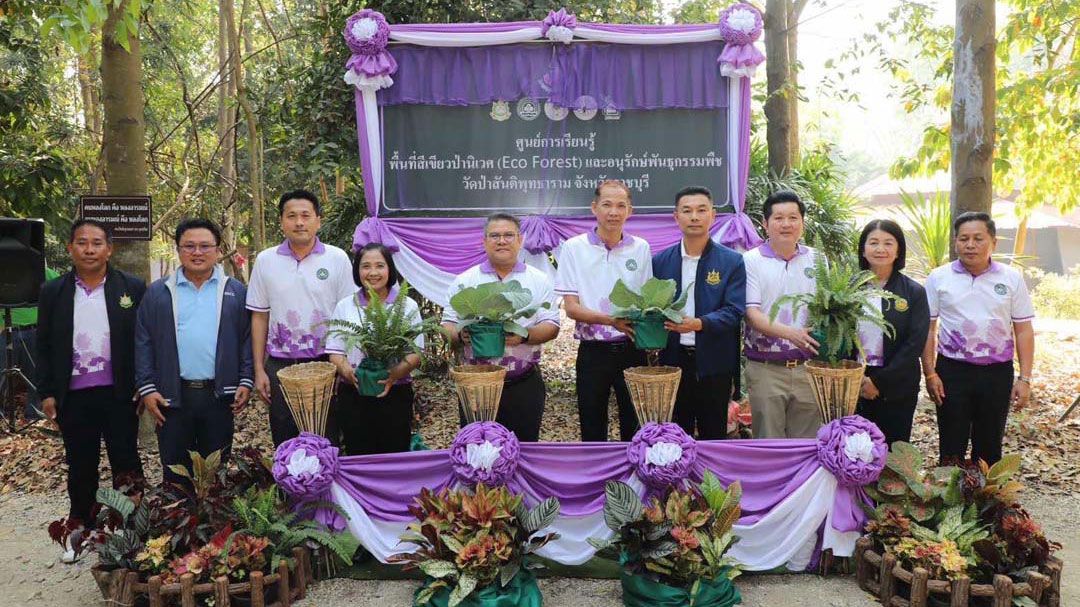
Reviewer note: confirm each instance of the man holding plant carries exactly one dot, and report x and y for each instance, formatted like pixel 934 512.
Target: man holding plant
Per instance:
pixel 589 266
pixel 781 400
pixel 522 404
pixel 705 344
pixel 193 365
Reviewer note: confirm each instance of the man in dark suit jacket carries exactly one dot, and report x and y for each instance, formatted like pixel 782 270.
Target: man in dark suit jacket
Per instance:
pixel 706 343
pixel 86 375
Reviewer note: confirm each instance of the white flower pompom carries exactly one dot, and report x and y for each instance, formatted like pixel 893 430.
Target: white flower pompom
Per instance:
pixel 482 455
pixel 365 28
pixel 662 454
pixel 741 20
pixel 559 33
pixel 365 83
pixel 302 463
pixel 859 446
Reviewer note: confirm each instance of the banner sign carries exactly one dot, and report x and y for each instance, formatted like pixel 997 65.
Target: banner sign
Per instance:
pixel 127 217
pixel 530 156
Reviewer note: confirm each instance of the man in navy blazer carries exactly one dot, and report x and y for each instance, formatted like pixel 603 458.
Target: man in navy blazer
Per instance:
pixel 706 343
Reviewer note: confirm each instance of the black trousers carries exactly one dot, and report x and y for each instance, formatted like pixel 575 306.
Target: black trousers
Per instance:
pixel 375 425
pixel 282 425
pixel 599 369
pixel 203 423
pixel 521 406
pixel 976 408
pixel 702 402
pixel 85 417
pixel 892 413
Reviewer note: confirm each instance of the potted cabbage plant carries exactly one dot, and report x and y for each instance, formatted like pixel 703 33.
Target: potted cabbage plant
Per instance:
pixel 489 311
pixel 648 310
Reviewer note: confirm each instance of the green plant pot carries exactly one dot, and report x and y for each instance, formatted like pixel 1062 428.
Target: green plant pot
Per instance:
pixel 640 591
pixel 828 352
pixel 488 339
pixel 649 332
pixel 368 375
pixel 522 591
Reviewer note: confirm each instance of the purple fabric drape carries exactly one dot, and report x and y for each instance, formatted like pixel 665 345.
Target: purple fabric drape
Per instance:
pixel 575 473
pixel 624 76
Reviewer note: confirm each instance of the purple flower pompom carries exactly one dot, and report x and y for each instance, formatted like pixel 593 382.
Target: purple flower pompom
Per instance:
pixel 485 452
pixel 853 449
pixel 662 455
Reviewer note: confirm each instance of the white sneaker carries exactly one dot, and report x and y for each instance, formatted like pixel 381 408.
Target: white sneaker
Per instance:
pixel 69 555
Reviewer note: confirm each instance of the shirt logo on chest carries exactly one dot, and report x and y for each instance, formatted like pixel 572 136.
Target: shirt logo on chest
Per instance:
pixel 322 274
pixel 712 278
pixel 125 301
pixel 631 264
pixel 901 305
pixel 809 272
pixel 1001 289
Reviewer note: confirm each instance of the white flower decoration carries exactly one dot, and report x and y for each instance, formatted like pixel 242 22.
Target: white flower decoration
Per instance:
pixel 365 28
pixel 742 20
pixel 859 446
pixel 366 83
pixel 302 463
pixel 559 33
pixel 482 455
pixel 662 454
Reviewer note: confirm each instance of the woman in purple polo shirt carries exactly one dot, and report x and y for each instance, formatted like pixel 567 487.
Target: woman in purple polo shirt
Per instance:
pixel 980 316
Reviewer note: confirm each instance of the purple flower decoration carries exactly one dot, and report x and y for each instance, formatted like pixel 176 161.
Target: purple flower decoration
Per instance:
pixel 367 34
pixel 559 26
pixel 304 468
pixel 853 449
pixel 740 26
pixel 662 455
pixel 485 452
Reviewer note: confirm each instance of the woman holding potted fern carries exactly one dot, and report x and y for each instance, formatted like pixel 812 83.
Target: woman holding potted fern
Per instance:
pixel 890 388
pixel 374 338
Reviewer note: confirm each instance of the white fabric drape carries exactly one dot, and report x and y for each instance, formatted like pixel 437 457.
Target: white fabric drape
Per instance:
pixel 599 35
pixel 786 536
pixel 734 86
pixel 373 126
pixel 526 34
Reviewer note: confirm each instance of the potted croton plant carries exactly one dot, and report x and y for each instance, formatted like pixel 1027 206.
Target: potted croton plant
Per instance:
pixel 385 334
pixel 648 309
pixel 474 547
pixel 673 550
pixel 489 311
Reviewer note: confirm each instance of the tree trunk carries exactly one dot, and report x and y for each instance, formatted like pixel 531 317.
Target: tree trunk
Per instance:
pixel 226 132
pixel 124 132
pixel 973 95
pixel 778 132
pixel 794 12
pixel 254 140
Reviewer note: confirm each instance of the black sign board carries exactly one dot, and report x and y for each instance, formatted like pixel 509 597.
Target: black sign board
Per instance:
pixel 128 217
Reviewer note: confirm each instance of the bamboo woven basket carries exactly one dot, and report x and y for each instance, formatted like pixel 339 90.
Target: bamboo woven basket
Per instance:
pixel 308 388
pixel 479 389
pixel 653 390
pixel 836 389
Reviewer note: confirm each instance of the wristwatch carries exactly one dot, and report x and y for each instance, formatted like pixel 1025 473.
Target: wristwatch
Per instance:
pixel 1024 378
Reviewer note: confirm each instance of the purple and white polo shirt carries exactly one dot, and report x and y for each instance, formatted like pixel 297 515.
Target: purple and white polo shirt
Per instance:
pixel 873 340
pixel 299 294
pixel 351 309
pixel 519 359
pixel 768 278
pixel 975 313
pixel 589 269
pixel 91 350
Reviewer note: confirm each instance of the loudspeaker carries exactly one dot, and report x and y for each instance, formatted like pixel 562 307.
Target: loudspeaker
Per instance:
pixel 22 261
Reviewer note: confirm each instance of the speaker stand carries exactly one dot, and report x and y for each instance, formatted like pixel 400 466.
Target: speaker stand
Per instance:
pixel 8 378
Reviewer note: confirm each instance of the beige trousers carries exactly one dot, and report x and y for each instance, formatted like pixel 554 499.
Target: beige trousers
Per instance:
pixel 781 401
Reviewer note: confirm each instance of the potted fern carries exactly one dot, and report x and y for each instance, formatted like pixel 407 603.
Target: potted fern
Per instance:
pixel 491 310
pixel 843 297
pixel 385 334
pixel 648 310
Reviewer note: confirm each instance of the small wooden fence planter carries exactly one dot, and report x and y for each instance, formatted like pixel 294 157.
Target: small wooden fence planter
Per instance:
pixel 122 588
pixel 882 575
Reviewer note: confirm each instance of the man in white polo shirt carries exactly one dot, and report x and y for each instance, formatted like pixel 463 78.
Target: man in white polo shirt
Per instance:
pixel 293 290
pixel 980 315
pixel 589 266
pixel 781 400
pixel 521 407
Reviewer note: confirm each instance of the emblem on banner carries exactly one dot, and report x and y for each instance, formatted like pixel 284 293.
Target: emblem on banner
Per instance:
pixel 528 109
pixel 500 110
pixel 585 107
pixel 1000 289
pixel 555 112
pixel 631 264
pixel 610 113
pixel 322 274
pixel 712 278
pixel 901 305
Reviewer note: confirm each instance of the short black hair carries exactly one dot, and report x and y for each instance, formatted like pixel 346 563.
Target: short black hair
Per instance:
pixel 893 229
pixel 614 183
pixel 692 190
pixel 780 197
pixel 89 222
pixel 392 277
pixel 502 217
pixel 301 195
pixel 975 216
pixel 197 223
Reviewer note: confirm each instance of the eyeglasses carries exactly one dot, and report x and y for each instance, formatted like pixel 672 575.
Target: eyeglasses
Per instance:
pixel 200 248
pixel 507 236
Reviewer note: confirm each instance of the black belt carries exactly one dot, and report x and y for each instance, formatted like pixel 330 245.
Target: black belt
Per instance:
pixel 520 378
pixel 790 363
pixel 610 346
pixel 688 350
pixel 197 384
